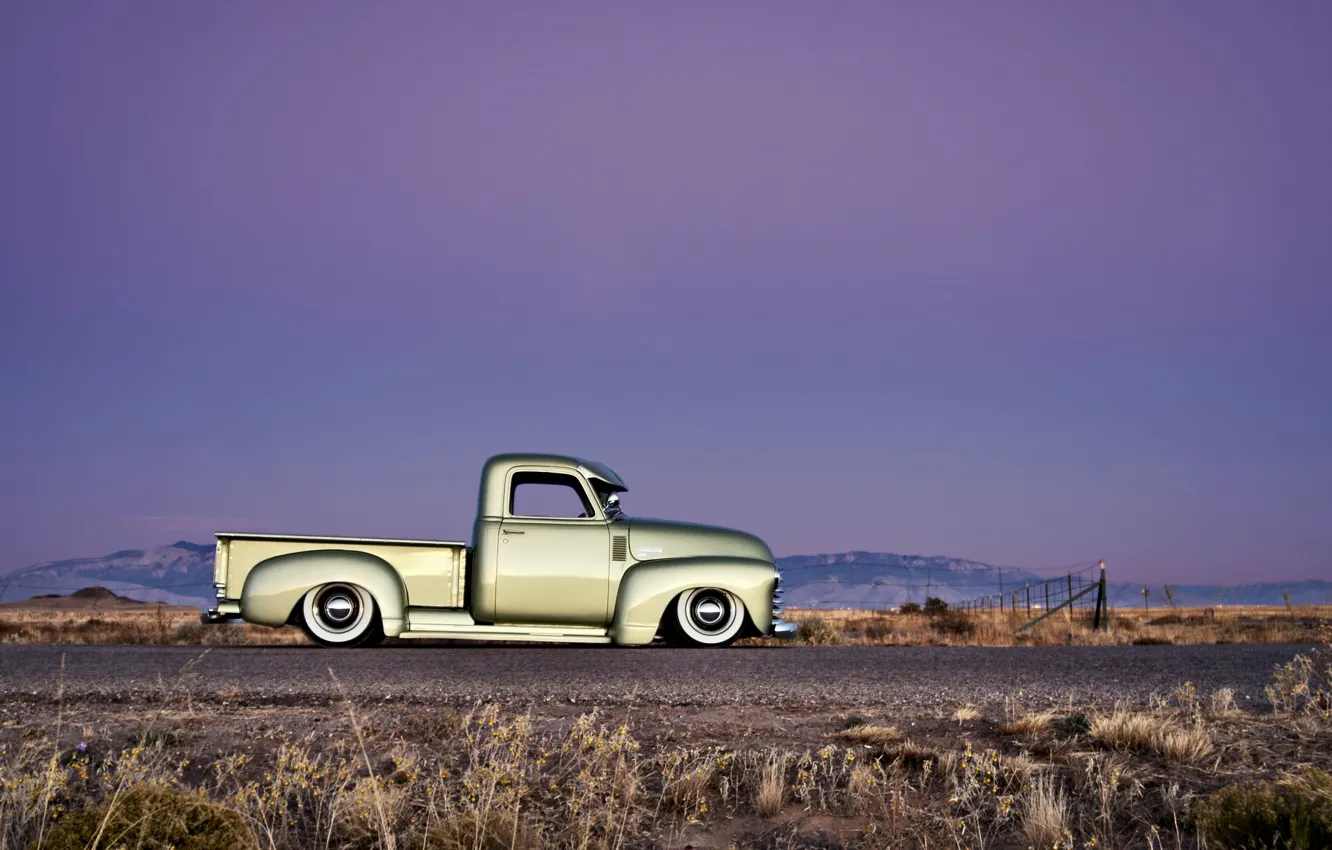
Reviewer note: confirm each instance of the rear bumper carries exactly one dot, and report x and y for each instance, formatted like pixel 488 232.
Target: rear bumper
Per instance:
pixel 782 630
pixel 214 616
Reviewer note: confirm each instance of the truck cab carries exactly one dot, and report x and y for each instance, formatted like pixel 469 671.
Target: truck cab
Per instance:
pixel 553 557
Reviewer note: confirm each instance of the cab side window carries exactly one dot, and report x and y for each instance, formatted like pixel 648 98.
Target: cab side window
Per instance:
pixel 548 494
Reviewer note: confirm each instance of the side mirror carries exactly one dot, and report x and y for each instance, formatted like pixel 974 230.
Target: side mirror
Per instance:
pixel 613 505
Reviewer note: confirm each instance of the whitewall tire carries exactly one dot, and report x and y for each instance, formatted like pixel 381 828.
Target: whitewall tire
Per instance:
pixel 707 616
pixel 341 614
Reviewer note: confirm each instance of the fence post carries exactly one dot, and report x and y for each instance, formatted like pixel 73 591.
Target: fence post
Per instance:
pixel 1068 612
pixel 1046 584
pixel 1103 599
pixel 1028 601
pixel 1100 620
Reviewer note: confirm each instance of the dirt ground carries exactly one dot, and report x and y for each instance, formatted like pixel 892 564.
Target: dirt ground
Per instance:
pixel 676 776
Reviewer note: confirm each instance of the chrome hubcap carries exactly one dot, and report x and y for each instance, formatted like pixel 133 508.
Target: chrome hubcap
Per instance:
pixel 710 613
pixel 338 608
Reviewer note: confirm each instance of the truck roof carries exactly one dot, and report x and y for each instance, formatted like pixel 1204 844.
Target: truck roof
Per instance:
pixel 589 468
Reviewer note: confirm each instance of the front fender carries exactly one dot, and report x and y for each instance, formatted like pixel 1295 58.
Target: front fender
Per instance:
pixel 274 587
pixel 649 586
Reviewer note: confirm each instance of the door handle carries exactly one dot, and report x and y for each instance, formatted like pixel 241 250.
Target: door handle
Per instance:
pixel 507 531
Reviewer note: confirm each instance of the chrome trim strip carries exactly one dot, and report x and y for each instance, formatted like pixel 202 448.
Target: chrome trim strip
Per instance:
pixel 239 535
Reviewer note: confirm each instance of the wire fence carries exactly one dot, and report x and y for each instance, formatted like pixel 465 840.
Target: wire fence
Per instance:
pixel 1033 599
pixel 1081 590
pixel 982 586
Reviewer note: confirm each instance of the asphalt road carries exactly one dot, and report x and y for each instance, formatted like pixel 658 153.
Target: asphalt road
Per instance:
pixel 913 678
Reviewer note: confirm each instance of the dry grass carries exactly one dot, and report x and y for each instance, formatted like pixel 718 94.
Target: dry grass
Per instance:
pixel 867 734
pixel 495 778
pixel 1251 624
pixel 965 713
pixel 910 754
pixel 1222 702
pixel 151 625
pixel 176 625
pixel 1127 730
pixel 1185 744
pixel 372 776
pixel 1124 729
pixel 772 786
pixel 1045 816
pixel 1029 724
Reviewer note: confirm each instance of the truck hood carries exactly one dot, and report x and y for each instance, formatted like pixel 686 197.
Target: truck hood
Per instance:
pixel 650 539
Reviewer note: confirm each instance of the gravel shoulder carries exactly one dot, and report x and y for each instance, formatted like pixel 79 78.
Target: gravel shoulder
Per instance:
pixel 910 679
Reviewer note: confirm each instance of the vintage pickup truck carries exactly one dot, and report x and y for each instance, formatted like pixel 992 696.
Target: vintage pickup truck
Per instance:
pixel 553 558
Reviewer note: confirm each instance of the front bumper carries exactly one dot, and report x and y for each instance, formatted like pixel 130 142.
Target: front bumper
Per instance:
pixel 782 630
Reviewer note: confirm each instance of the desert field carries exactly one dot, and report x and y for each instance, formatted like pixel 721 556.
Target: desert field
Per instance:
pixel 131 724
pixel 97 616
pixel 1126 626
pixel 97 619
pixel 197 755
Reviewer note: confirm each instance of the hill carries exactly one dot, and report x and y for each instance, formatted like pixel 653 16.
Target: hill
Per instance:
pixel 179 574
pixel 182 574
pixel 84 599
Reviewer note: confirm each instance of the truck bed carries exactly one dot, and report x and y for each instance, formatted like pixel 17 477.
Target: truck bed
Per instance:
pixel 434 572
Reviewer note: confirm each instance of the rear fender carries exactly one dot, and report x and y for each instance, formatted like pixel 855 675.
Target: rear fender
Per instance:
pixel 274 587
pixel 649 586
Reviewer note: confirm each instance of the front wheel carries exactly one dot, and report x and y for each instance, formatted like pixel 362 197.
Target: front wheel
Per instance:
pixel 707 616
pixel 341 614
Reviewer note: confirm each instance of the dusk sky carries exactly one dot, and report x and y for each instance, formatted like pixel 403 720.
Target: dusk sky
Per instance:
pixel 1030 283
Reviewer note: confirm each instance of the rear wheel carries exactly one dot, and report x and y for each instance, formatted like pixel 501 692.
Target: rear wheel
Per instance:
pixel 340 614
pixel 707 616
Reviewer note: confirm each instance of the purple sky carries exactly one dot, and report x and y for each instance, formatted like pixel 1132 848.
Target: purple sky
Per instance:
pixel 1029 283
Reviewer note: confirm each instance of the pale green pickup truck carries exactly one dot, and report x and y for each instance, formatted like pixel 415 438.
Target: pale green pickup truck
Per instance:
pixel 553 558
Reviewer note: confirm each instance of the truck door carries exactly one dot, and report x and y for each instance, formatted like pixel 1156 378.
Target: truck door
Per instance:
pixel 554 553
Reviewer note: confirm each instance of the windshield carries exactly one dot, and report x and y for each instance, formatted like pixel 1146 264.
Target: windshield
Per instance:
pixel 604 492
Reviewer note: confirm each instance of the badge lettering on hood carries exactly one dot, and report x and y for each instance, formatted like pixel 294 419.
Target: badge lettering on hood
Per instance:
pixel 649 550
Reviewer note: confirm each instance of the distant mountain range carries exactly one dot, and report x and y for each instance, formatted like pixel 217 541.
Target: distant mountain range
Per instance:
pixel 885 580
pixel 179 574
pixel 182 574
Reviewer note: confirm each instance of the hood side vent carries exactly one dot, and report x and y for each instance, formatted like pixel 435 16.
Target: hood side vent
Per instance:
pixel 619 548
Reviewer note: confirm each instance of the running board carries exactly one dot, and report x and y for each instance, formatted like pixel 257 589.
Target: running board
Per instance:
pixel 542 634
